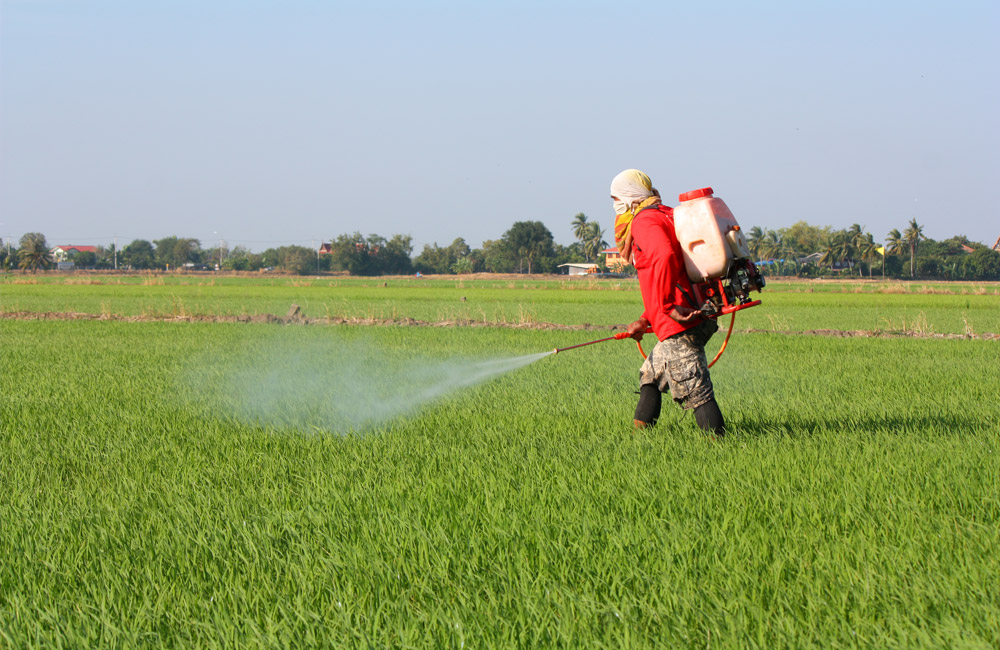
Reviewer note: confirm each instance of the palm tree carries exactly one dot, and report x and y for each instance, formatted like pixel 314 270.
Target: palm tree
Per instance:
pixel 34 252
pixel 894 242
pixel 836 248
pixel 593 242
pixel 829 247
pixel 770 245
pixel 846 248
pixel 868 251
pixel 912 237
pixel 580 225
pixel 856 234
pixel 857 240
pixel 754 237
pixel 790 253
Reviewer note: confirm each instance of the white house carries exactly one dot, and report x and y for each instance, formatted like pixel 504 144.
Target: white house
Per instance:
pixel 574 268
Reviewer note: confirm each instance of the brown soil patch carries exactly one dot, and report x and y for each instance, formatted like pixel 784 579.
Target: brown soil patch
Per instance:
pixel 295 318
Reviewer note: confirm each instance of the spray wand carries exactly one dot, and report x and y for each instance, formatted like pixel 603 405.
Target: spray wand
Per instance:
pixel 624 335
pixel 617 337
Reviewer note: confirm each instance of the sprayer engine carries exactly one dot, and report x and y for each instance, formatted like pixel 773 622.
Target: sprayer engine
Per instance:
pixel 731 292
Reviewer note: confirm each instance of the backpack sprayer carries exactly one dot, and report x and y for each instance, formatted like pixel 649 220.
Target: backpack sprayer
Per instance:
pixel 717 261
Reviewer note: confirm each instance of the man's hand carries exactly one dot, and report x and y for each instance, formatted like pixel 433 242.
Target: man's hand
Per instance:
pixel 684 315
pixel 637 329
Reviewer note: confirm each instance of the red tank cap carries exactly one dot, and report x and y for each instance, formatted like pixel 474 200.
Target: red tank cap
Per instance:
pixel 695 194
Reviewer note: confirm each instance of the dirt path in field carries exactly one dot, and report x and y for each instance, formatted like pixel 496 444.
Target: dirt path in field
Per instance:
pixel 867 334
pixel 293 317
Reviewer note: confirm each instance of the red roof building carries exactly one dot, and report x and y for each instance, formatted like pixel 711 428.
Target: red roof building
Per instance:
pixel 60 253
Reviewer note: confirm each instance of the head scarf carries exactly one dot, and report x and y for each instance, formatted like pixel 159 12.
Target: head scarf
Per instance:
pixel 635 193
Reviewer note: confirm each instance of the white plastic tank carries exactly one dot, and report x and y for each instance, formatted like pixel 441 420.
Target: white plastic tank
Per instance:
pixel 708 234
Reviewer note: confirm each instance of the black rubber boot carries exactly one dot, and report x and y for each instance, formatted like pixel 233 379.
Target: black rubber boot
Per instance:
pixel 709 418
pixel 647 411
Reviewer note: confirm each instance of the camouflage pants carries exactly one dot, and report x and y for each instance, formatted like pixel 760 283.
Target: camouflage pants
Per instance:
pixel 678 364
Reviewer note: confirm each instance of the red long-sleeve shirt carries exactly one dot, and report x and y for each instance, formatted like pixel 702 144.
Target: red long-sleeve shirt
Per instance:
pixel 659 262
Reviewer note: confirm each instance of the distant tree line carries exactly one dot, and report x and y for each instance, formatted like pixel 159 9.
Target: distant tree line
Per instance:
pixel 804 250
pixel 527 247
pixel 801 250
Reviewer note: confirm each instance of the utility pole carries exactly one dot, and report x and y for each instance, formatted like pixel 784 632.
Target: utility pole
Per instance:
pixel 221 242
pixel 116 252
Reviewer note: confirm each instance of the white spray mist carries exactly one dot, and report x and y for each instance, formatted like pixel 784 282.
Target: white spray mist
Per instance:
pixel 335 385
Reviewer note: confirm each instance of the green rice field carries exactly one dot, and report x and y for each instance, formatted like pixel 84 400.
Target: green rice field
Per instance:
pixel 169 483
pixel 959 308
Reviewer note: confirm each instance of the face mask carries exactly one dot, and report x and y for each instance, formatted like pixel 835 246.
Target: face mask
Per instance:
pixel 621 207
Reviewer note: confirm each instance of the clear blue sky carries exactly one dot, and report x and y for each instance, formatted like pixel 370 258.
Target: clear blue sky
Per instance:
pixel 266 123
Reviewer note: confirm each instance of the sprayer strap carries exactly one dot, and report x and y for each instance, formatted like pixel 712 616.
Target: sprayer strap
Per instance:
pixel 688 296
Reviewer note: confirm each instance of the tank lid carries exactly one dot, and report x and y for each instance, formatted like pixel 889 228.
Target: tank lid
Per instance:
pixel 695 194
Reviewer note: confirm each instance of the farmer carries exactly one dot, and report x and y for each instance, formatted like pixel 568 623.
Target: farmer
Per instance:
pixel 644 233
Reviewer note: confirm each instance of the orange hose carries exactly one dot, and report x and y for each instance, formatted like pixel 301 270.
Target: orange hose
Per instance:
pixel 732 321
